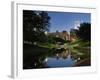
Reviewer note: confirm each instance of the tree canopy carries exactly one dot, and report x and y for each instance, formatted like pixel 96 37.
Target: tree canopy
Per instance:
pixel 35 23
pixel 84 31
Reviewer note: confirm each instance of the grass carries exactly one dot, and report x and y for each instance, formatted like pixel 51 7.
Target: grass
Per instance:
pixel 80 43
pixel 47 45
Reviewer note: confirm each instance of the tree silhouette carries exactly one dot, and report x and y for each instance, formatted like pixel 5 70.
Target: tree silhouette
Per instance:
pixel 84 31
pixel 35 23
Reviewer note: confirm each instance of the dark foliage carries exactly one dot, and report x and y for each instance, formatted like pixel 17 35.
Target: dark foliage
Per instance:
pixel 35 23
pixel 84 31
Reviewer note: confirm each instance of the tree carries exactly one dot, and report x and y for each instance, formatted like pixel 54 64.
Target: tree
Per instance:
pixel 35 23
pixel 45 20
pixel 73 32
pixel 84 31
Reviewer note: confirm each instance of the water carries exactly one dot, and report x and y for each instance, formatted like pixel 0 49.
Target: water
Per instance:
pixel 59 62
pixel 55 58
pixel 60 58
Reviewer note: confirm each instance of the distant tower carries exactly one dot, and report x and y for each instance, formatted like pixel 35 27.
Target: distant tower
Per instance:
pixel 77 24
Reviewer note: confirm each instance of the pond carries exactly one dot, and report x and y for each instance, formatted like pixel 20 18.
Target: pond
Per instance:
pixel 61 58
pixel 56 58
pixel 59 62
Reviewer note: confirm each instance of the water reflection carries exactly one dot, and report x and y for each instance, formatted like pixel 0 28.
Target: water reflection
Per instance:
pixel 57 58
pixel 59 62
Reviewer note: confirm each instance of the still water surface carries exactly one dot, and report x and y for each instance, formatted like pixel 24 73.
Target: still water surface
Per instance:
pixel 56 58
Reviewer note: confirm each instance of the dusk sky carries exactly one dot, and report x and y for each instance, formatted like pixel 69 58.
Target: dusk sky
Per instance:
pixel 66 20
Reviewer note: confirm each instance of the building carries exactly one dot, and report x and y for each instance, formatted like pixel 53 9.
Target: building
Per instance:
pixel 63 35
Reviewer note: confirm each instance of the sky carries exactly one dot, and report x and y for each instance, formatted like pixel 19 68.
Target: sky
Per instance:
pixel 66 20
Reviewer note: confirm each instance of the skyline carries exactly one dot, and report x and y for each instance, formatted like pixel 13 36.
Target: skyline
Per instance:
pixel 66 20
